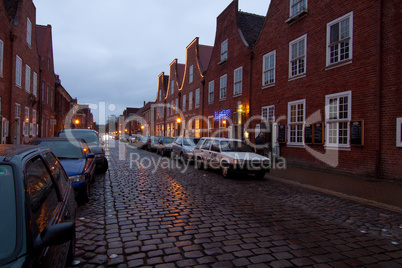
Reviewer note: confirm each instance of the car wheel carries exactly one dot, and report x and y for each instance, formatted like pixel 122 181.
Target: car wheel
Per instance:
pixel 260 174
pixel 200 163
pixel 105 166
pixel 226 172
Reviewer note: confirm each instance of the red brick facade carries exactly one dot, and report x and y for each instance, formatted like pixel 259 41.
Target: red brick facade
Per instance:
pixel 320 80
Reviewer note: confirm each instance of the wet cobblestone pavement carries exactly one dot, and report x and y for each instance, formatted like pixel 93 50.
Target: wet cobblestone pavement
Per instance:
pixel 156 213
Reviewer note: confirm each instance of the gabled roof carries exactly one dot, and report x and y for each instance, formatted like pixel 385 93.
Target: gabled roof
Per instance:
pixel 43 36
pixel 205 53
pixel 180 72
pixel 250 25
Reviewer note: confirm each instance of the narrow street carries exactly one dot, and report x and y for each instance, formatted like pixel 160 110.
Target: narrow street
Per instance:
pixel 156 212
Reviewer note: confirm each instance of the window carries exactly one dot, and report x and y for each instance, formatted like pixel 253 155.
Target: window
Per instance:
pixel 27 78
pixel 190 79
pixel 172 87
pixel 1 57
pixel 296 120
pixel 339 39
pixel 211 86
pixel 29 32
pixel 399 132
pixel 177 106
pixel 238 81
pixel 197 98
pixel 224 50
pixel 184 103
pixel 337 118
pixel 171 107
pixel 223 87
pixel 35 84
pixel 297 54
pixel 268 69
pixel 268 113
pixel 18 71
pixel 47 94
pixel 160 95
pixel 297 6
pixel 17 110
pixel 34 116
pixel 190 101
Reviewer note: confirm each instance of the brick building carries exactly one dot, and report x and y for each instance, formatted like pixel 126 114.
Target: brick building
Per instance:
pixel 47 78
pixel 321 81
pixel 227 81
pixel 192 88
pixel 160 104
pixel 63 107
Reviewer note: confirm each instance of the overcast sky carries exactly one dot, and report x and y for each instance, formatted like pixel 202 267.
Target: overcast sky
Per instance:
pixel 112 51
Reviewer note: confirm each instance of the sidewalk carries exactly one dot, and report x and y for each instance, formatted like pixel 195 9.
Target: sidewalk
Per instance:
pixel 379 193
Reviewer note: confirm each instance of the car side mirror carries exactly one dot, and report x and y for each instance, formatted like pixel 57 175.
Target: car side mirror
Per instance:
pixel 91 155
pixel 54 235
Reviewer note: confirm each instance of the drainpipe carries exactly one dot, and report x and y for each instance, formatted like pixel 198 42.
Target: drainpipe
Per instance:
pixel 379 87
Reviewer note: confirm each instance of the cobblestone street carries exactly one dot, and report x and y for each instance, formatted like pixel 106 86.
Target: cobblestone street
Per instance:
pixel 152 211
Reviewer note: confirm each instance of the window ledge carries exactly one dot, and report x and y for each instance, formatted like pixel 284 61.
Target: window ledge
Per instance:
pixel 237 95
pixel 268 86
pixel 222 61
pixel 335 148
pixel 338 64
pixel 297 16
pixel 222 99
pixel 296 77
pixel 301 146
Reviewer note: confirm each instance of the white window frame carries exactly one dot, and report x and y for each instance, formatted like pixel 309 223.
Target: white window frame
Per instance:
pixel 29 32
pixel 35 84
pixel 211 89
pixel 337 119
pixel 26 113
pixel 268 113
pixel 17 110
pixel 224 50
pixel 47 94
pixel 297 6
pixel 172 87
pixel 177 106
pixel 184 102
pixel 1 57
pixel 191 74
pixel 238 81
pixel 27 78
pixel 300 58
pixel 160 94
pixel 336 56
pixel 268 68
pixel 296 122
pixel 18 71
pixel 190 101
pixel 399 132
pixel 197 98
pixel 223 87
pixel 171 107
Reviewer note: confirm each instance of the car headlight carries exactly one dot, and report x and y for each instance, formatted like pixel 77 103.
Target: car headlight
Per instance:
pixel 238 162
pixel 266 163
pixel 188 151
pixel 77 178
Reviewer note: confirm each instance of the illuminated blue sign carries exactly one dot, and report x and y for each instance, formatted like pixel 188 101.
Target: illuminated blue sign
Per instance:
pixel 223 114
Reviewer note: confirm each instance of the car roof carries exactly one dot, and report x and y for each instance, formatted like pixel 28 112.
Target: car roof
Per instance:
pixel 220 138
pixel 8 151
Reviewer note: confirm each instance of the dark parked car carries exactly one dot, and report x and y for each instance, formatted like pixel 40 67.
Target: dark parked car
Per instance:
pixel 77 159
pixel 37 207
pixel 153 143
pixel 142 142
pixel 92 139
pixel 164 145
pixel 183 147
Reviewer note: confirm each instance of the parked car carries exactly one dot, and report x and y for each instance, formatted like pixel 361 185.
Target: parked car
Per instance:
pixel 164 145
pixel 78 162
pixel 183 147
pixel 153 143
pixel 142 142
pixel 37 207
pixel 133 138
pixel 230 155
pixel 92 139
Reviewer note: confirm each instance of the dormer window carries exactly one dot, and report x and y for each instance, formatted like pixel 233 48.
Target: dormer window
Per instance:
pixel 224 50
pixel 297 6
pixel 191 72
pixel 29 32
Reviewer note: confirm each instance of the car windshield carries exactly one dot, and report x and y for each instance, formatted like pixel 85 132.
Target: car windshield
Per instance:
pixel 168 140
pixel 90 137
pixel 8 210
pixel 235 146
pixel 63 149
pixel 190 141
